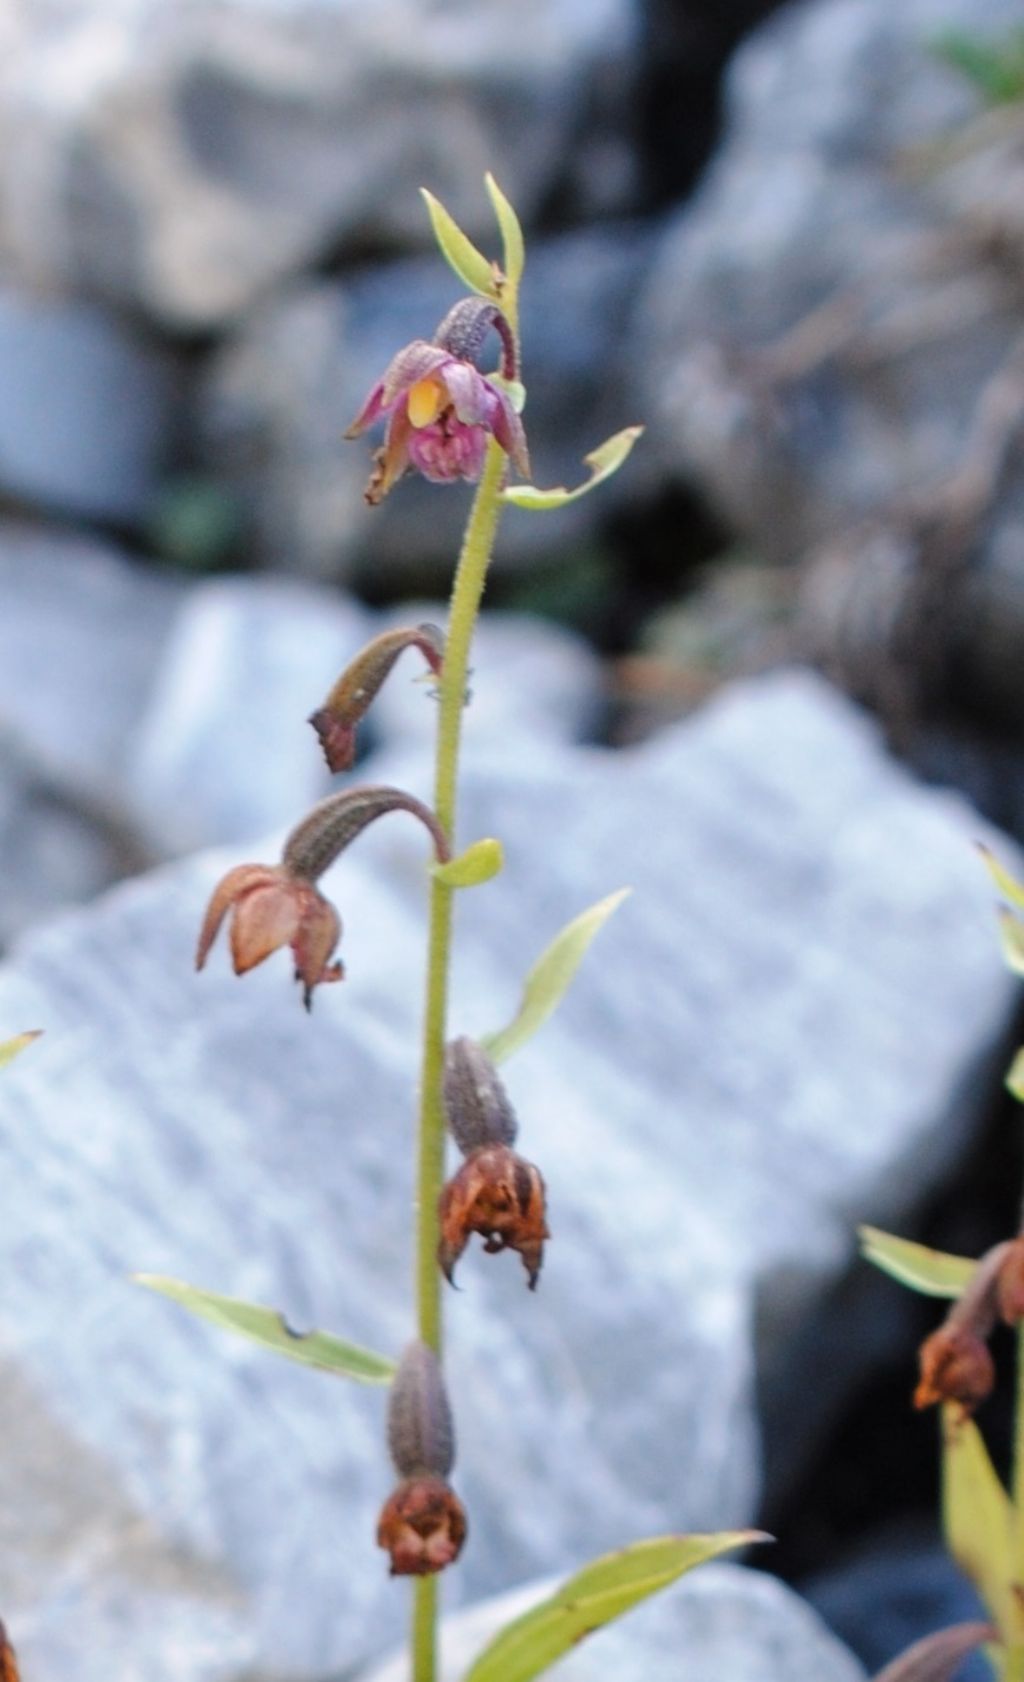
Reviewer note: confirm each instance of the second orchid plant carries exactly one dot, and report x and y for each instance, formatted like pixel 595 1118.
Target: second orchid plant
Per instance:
pixel 448 420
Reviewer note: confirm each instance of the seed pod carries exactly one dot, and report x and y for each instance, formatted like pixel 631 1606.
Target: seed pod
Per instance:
pixel 350 699
pixel 333 825
pixel 476 1103
pixel 421 1437
pixel 498 1195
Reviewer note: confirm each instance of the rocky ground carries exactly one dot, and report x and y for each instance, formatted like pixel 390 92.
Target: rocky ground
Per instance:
pixel 797 612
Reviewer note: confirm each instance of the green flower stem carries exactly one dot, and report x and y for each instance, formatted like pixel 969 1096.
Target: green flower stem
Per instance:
pixel 467 590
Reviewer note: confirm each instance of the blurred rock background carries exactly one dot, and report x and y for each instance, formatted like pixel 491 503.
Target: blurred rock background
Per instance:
pixel 790 240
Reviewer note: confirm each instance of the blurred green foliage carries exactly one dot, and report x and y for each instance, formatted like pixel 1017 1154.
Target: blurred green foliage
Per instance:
pixel 995 67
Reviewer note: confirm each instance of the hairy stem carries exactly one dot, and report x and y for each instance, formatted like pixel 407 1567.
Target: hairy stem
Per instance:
pixel 467 590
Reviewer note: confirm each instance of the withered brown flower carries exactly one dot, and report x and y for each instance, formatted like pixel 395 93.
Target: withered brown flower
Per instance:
pixel 500 1196
pixel 8 1662
pixel 280 905
pixel 271 907
pixel 422 1527
pixel 955 1366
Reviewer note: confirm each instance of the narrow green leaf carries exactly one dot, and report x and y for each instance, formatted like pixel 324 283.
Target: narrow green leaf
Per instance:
pixel 1011 890
pixel 603 462
pixel 269 1328
pixel 514 251
pixel 551 975
pixel 1015 1076
pixel 934 1273
pixel 1011 935
pixel 458 249
pixel 600 1592
pixel 978 1519
pixel 479 863
pixel 9 1049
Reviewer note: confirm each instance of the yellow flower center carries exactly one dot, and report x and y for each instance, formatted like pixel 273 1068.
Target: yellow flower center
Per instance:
pixel 425 401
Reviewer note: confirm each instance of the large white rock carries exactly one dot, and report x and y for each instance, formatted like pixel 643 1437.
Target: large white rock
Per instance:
pixel 182 155
pixel 776 1036
pixel 721 1621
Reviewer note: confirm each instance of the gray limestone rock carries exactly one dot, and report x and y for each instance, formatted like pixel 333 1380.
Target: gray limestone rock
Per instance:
pixel 87 410
pixel 181 156
pixel 826 315
pixel 776 1036
pixel 281 392
pixel 721 1621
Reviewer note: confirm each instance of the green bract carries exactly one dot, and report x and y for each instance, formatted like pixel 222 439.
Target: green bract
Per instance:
pixel 603 462
pixel 9 1049
pixel 597 1594
pixel 480 862
pixel 550 976
pixel 932 1272
pixel 269 1328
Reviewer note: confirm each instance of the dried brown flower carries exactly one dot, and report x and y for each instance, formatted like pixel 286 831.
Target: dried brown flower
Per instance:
pixel 279 905
pixel 422 1527
pixel 8 1663
pixel 500 1196
pixel 955 1366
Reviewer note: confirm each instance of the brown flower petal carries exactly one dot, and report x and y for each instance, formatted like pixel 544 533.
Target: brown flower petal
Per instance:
pixel 956 1366
pixel 498 1195
pixel 422 1527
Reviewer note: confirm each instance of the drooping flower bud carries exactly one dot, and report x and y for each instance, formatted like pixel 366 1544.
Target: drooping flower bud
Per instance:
pixel 335 722
pixel 423 1525
pixel 8 1662
pixel 476 1103
pixel 500 1196
pixel 279 905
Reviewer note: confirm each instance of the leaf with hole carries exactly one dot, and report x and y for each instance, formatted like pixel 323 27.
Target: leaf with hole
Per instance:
pixel 268 1327
pixel 551 976
pixel 934 1273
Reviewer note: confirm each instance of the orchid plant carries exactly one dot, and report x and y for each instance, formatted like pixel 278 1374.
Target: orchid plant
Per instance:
pixel 983 1520
pixel 450 421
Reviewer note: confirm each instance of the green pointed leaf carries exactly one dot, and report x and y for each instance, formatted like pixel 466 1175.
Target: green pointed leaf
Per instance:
pixel 1011 890
pixel 934 1273
pixel 551 975
pixel 603 462
pixel 479 863
pixel 9 1049
pixel 513 249
pixel 1011 935
pixel 269 1328
pixel 458 250
pixel 597 1594
pixel 1015 1076
pixel 978 1519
